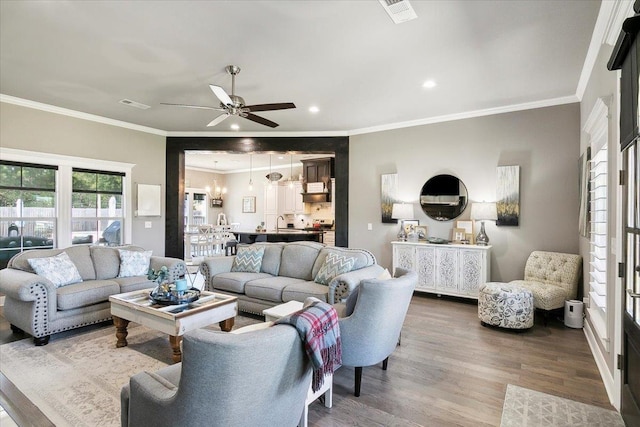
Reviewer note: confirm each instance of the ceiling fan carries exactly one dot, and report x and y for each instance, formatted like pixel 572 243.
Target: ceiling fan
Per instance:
pixel 233 105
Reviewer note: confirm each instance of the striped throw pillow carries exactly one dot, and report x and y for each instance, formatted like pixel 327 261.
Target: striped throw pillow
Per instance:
pixel 248 259
pixel 334 265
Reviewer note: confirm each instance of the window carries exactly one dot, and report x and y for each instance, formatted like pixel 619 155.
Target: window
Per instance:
pixel 96 207
pixel 600 298
pixel 195 207
pixel 27 208
pixel 598 255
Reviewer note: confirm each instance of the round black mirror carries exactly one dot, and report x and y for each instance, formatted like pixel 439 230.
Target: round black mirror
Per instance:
pixel 443 197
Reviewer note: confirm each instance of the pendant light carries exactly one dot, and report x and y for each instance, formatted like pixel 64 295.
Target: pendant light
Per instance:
pixel 291 171
pixel 270 184
pixel 250 172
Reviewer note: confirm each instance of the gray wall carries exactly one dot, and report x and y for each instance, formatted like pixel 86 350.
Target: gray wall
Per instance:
pixel 545 144
pixel 34 130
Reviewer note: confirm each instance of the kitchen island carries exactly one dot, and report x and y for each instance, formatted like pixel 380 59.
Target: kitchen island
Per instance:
pixel 280 235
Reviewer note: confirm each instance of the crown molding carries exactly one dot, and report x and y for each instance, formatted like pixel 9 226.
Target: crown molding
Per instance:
pixel 399 125
pixel 78 114
pixel 606 30
pixel 240 134
pixel 470 114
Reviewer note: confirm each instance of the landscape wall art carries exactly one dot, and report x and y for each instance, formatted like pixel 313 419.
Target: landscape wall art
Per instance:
pixel 508 195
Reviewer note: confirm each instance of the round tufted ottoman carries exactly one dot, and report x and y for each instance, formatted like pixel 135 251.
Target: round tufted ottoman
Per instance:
pixel 505 305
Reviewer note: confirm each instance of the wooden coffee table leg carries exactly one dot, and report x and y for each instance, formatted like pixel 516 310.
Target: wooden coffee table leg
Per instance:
pixel 175 346
pixel 121 331
pixel 227 325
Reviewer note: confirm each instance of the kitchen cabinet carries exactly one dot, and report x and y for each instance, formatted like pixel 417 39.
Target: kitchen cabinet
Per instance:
pixel 271 205
pixel 290 199
pixel 317 169
pixel 456 270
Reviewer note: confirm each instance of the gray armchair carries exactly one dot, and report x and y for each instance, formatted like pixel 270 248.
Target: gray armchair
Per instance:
pixel 258 378
pixel 370 334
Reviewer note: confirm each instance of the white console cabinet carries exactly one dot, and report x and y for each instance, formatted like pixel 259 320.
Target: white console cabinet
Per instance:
pixel 445 269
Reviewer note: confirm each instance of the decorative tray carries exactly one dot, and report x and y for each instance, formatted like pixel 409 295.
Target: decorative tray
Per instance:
pixel 173 298
pixel 437 240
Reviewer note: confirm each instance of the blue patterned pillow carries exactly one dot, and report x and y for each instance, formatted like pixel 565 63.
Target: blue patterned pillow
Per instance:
pixel 134 263
pixel 59 269
pixel 333 266
pixel 248 259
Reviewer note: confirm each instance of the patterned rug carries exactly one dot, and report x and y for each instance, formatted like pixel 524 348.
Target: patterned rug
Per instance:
pixel 76 379
pixel 529 408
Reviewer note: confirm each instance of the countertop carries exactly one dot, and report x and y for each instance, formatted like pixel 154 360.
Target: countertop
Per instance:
pixel 279 231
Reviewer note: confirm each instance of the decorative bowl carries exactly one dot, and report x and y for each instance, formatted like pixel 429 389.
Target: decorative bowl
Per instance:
pixel 174 297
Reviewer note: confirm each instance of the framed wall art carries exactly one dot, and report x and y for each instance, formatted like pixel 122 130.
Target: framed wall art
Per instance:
pixel 508 195
pixel 249 204
pixel 388 196
pixel 149 200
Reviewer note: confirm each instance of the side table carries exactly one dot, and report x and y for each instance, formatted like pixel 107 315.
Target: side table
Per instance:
pixel 271 315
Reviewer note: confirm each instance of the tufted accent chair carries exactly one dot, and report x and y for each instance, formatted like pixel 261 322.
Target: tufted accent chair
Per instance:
pixel 552 278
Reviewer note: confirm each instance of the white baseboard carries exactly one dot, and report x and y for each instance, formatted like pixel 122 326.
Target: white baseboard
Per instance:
pixel 601 363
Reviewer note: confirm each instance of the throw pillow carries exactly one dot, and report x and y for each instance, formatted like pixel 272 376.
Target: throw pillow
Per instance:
pixel 59 269
pixel 134 263
pixel 248 259
pixel 334 265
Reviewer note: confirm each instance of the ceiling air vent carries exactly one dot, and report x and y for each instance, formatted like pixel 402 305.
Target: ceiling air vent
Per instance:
pixel 399 10
pixel 134 104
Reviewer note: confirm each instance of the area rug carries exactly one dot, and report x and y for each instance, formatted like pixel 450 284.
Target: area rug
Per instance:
pixel 529 408
pixel 75 380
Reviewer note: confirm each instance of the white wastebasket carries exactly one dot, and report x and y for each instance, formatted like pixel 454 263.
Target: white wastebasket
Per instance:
pixel 573 317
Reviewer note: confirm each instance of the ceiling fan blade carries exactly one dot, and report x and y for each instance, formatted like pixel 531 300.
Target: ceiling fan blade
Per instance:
pixel 270 107
pixel 221 94
pixel 218 119
pixel 260 120
pixel 202 107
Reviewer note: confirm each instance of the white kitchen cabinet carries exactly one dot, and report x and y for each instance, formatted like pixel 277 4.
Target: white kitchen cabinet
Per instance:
pixel 291 199
pixel 271 205
pixel 445 269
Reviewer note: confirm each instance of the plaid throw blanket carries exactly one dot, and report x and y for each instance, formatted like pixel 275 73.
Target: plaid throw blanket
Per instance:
pixel 318 328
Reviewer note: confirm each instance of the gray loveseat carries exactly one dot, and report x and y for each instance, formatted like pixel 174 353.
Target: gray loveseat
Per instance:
pixel 287 273
pixel 34 305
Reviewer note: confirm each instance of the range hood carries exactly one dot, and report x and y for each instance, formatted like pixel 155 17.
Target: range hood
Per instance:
pixel 316 197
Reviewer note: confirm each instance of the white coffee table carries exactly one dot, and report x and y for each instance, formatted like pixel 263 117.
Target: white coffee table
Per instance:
pixel 271 315
pixel 174 320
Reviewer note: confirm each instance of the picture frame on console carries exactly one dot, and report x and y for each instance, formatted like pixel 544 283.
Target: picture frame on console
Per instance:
pixel 468 229
pixel 421 231
pixel 459 235
pixel 410 225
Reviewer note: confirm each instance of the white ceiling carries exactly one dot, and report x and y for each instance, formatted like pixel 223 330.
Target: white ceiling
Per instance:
pixel 346 57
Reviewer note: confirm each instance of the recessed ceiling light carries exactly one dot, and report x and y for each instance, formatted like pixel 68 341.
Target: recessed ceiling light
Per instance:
pixel 429 84
pixel 313 109
pixel 235 126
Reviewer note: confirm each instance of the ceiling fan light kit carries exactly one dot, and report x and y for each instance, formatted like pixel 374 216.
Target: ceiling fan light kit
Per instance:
pixel 234 105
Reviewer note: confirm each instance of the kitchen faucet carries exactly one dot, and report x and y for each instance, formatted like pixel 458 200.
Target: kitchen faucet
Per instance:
pixel 278 222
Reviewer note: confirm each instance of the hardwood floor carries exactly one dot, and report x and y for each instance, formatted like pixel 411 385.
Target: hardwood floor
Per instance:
pixel 448 371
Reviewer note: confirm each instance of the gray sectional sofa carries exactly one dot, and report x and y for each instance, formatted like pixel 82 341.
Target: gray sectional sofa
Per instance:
pixel 287 273
pixel 35 305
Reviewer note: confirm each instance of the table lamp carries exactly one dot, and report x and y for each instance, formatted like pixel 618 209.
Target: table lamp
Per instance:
pixel 402 211
pixel 483 212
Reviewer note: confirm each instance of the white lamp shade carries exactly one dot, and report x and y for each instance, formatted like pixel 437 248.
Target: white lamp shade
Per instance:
pixel 484 211
pixel 402 211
